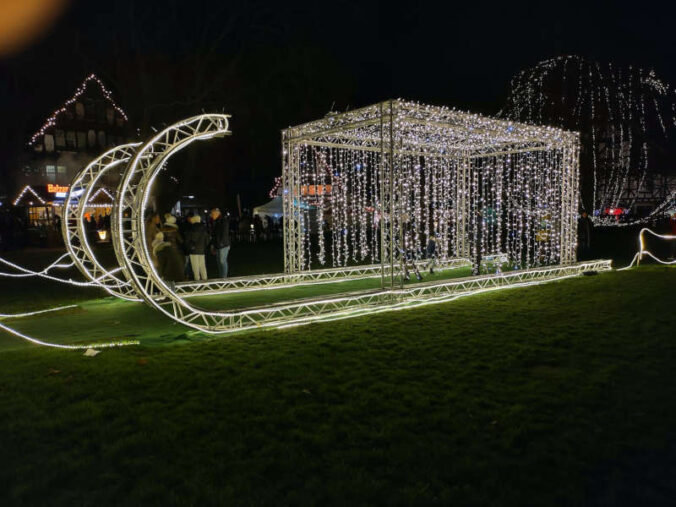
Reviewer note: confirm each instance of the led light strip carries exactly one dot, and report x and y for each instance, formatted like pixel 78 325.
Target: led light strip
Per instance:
pixel 94 283
pixel 28 273
pixel 104 345
pixel 37 312
pixel 642 251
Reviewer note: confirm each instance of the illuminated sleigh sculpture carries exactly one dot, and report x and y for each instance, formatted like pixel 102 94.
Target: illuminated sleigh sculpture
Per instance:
pixel 401 173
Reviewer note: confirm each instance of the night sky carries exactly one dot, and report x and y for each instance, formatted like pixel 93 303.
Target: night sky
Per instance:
pixel 274 64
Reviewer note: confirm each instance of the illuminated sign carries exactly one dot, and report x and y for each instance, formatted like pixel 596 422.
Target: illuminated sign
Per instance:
pixel 53 189
pixel 315 189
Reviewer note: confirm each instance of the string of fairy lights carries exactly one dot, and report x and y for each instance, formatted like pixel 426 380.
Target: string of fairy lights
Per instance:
pixel 27 190
pixel 621 112
pixel 103 191
pixel 467 182
pixel 51 121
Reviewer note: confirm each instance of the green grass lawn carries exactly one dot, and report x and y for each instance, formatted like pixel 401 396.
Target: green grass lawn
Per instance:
pixel 560 394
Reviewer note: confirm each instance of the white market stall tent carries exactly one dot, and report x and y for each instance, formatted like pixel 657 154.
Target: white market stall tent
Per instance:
pixel 272 209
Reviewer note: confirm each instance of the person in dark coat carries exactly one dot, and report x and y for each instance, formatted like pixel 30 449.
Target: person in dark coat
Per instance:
pixel 220 241
pixel 171 232
pixel 169 260
pixel 196 241
pixel 584 233
pixel 152 228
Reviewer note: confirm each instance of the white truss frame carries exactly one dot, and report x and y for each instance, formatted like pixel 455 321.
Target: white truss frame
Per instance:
pixel 73 225
pixel 139 278
pixel 331 275
pixel 395 128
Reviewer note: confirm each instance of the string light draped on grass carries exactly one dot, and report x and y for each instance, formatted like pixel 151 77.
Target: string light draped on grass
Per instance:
pixel 622 113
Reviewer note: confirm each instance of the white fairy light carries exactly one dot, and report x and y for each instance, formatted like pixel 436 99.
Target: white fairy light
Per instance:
pixel 51 121
pixel 432 146
pixel 615 108
pixel 25 189
pixel 96 194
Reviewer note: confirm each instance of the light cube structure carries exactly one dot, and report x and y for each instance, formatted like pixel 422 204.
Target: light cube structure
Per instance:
pixel 396 174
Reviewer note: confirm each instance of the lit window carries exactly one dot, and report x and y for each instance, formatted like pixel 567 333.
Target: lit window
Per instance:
pixel 61 169
pixel 79 109
pixel 82 140
pixel 60 138
pixel 91 138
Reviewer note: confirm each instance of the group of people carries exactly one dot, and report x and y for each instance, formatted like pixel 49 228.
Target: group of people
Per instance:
pixel 253 228
pixel 178 251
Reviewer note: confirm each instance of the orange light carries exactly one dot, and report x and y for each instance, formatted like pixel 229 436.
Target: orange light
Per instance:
pixel 53 189
pixel 315 189
pixel 23 21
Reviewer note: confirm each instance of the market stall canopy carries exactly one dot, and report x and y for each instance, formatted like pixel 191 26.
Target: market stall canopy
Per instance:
pixel 274 208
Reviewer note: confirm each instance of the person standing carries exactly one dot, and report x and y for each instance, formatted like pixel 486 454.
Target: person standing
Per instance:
pixel 220 241
pixel 171 232
pixel 169 261
pixel 196 242
pixel 584 233
pixel 152 228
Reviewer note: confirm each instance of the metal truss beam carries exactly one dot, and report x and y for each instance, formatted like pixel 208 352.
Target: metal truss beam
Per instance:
pixel 73 227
